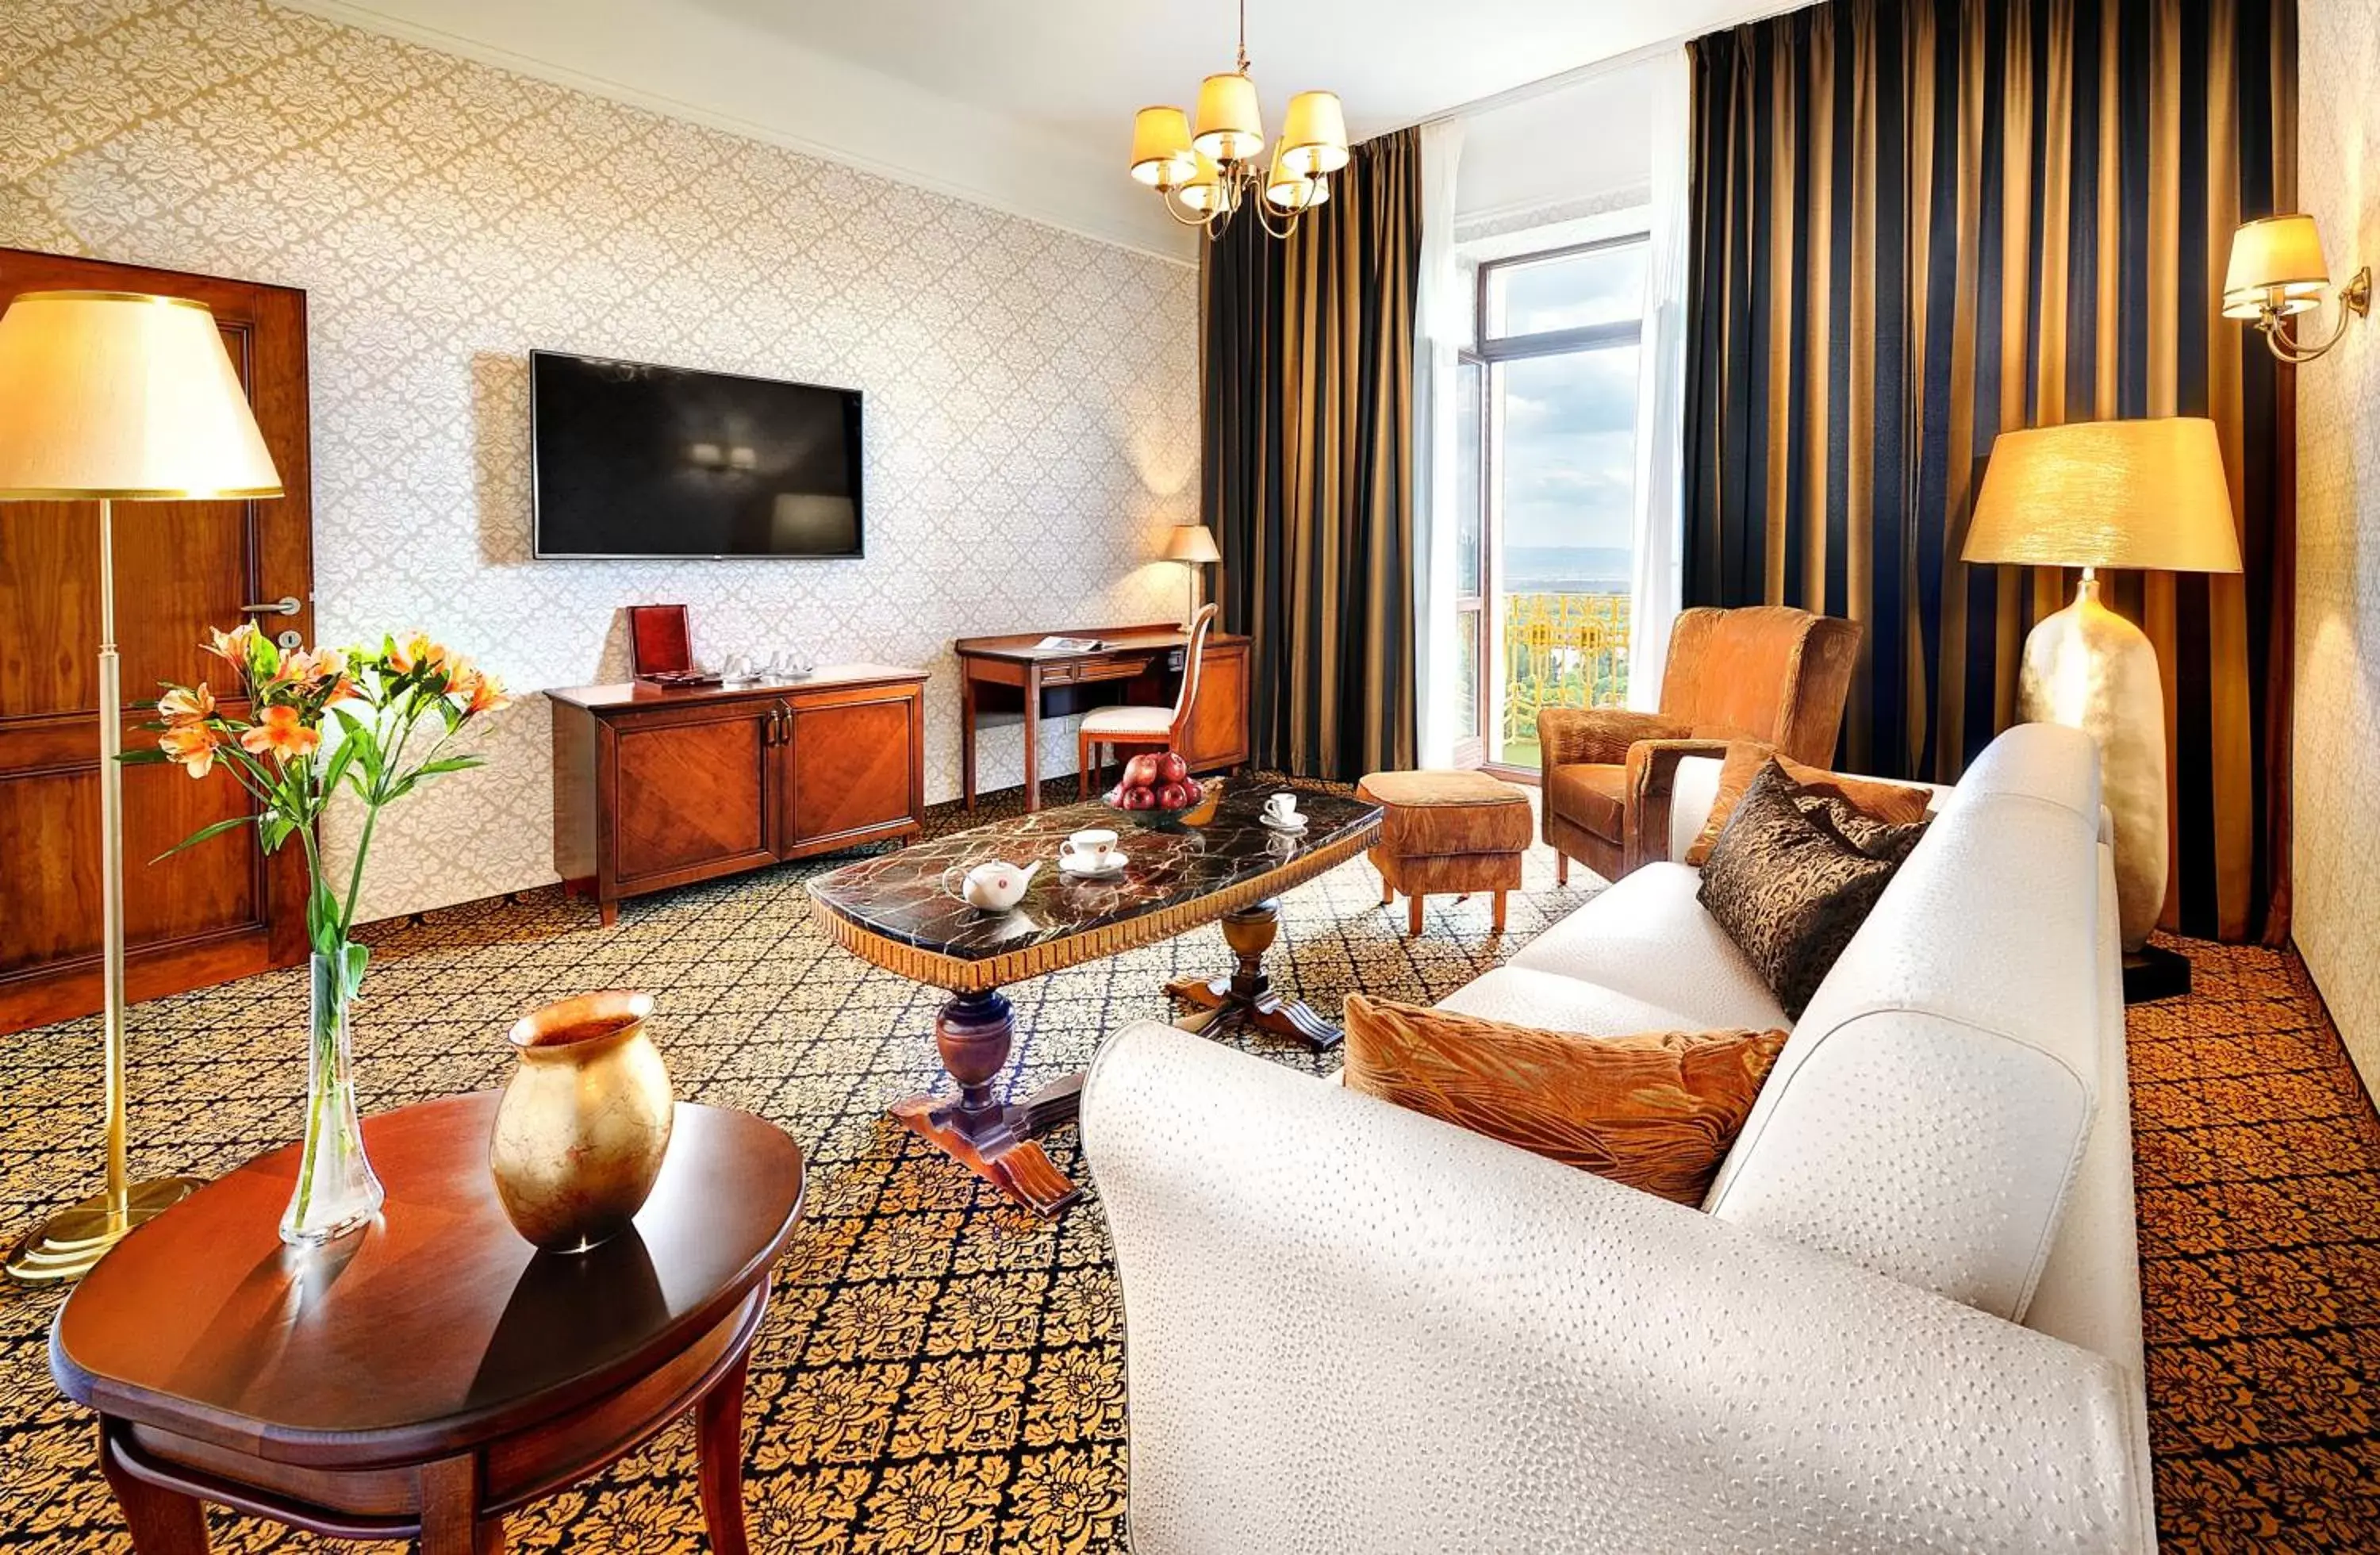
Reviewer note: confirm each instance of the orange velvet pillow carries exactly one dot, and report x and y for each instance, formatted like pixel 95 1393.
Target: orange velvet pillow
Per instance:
pixel 1894 804
pixel 1657 1112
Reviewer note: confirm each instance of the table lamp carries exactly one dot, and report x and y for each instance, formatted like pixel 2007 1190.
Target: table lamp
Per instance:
pixel 1194 546
pixel 2130 494
pixel 117 396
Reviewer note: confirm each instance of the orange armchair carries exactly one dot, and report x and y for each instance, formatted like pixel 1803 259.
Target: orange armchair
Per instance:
pixel 1767 673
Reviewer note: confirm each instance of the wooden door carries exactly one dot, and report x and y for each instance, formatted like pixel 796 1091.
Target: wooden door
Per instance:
pixel 855 772
pixel 181 567
pixel 1218 734
pixel 692 789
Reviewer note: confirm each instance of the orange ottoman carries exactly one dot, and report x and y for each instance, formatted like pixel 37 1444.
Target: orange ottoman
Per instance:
pixel 1447 832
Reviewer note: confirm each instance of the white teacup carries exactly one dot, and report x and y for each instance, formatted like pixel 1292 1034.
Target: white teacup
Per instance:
pixel 1281 807
pixel 1090 853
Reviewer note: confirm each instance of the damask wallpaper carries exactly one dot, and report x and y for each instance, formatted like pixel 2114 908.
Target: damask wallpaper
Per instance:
pixel 2339 537
pixel 1031 395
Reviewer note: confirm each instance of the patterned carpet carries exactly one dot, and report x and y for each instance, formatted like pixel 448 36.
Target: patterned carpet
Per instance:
pixel 941 1374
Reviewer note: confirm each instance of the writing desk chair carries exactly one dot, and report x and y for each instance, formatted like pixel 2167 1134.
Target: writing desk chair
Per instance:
pixel 1161 728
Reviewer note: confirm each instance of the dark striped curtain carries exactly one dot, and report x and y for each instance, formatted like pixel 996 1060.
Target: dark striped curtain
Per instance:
pixel 1916 222
pixel 1307 382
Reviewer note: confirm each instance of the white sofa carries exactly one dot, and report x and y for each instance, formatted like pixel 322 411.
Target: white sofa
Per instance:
pixel 1907 1317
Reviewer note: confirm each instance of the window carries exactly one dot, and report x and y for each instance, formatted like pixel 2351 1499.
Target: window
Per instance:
pixel 1547 433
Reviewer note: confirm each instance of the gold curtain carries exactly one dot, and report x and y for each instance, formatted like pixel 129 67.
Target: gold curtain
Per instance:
pixel 1917 223
pixel 1306 365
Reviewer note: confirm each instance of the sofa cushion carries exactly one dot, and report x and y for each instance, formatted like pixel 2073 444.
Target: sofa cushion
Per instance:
pixel 1653 1110
pixel 1894 804
pixel 1927 1115
pixel 1592 796
pixel 1788 888
pixel 1647 937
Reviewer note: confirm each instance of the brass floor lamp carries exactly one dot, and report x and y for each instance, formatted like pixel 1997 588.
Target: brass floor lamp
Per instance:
pixel 117 396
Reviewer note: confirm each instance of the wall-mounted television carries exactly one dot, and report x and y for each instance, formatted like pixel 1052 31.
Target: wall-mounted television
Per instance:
pixel 632 460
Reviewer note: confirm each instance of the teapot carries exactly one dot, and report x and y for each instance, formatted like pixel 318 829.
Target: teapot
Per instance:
pixel 996 887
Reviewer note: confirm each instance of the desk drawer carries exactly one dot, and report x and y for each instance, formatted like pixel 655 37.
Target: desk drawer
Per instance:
pixel 1078 672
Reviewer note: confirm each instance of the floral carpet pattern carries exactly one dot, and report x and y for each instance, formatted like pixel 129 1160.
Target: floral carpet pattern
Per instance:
pixel 940 1373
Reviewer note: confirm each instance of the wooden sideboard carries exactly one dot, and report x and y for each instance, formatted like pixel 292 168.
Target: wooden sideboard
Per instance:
pixel 656 788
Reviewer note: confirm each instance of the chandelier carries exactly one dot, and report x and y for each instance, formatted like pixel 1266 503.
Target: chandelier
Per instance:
pixel 1207 173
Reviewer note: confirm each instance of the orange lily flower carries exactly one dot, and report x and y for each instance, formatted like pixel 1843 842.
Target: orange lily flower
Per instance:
pixel 487 695
pixel 232 647
pixel 282 735
pixel 415 649
pixel 186 704
pixel 192 744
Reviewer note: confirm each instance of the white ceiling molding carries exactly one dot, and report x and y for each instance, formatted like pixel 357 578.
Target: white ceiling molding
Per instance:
pixel 693 63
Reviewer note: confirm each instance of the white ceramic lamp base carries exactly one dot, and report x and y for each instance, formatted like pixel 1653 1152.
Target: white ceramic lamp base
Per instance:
pixel 2090 669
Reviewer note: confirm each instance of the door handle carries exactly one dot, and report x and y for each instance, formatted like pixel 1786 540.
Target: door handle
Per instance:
pixel 287 605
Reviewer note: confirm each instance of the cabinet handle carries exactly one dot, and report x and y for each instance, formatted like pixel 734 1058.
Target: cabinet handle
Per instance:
pixel 769 728
pixel 782 717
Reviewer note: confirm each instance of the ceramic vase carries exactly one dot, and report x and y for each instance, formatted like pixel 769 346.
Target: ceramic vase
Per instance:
pixel 584 1121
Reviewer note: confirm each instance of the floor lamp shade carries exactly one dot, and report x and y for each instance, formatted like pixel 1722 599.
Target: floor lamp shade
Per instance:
pixel 2139 493
pixel 108 398
pixel 122 395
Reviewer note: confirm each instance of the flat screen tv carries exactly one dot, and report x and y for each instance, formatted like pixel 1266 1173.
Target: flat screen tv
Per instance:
pixel 631 460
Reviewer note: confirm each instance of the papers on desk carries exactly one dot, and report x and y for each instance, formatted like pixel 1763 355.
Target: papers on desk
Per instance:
pixel 1070 645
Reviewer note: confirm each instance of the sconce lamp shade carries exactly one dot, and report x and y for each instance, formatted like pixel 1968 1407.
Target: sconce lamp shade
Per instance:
pixel 1231 127
pixel 123 396
pixel 1314 135
pixel 2276 262
pixel 1162 156
pixel 2146 493
pixel 1193 543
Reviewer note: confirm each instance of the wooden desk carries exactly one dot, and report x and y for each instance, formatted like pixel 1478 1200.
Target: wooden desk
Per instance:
pixel 433 1371
pixel 1141 665
pixel 655 788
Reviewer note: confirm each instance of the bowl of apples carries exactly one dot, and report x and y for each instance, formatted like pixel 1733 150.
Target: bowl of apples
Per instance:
pixel 1157 791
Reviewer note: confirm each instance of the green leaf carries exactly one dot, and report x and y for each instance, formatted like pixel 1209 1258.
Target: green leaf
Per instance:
pixel 445 764
pixel 142 757
pixel 201 835
pixel 274 830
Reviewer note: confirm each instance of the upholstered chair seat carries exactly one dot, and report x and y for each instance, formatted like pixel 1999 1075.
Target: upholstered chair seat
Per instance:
pixel 1766 673
pixel 1124 723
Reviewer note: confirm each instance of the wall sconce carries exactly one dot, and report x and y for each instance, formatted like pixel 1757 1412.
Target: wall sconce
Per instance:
pixel 2278 272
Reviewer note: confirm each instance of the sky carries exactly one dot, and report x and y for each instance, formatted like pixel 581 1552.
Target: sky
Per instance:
pixel 1568 454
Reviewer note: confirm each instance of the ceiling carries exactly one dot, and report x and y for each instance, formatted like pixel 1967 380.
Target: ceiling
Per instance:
pixel 1081 66
pixel 1027 104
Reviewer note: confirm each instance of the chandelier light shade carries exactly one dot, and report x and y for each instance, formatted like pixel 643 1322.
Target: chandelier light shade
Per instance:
pixel 1162 156
pixel 1314 136
pixel 1206 166
pixel 1231 126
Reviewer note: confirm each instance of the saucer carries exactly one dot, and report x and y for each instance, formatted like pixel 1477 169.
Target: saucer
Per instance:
pixel 1295 823
pixel 1080 872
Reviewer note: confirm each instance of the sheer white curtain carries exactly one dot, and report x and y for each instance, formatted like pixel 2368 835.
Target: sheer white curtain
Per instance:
pixel 1442 323
pixel 1654 588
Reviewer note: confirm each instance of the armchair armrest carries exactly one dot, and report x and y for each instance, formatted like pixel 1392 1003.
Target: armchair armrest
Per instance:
pixel 1652 781
pixel 1350 1327
pixel 1568 736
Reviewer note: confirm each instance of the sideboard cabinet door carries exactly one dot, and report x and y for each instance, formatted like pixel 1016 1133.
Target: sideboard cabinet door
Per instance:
pixel 855 769
pixel 692 793
pixel 1218 734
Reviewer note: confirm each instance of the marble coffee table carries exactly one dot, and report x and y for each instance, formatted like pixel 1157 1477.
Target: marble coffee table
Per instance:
pixel 902 911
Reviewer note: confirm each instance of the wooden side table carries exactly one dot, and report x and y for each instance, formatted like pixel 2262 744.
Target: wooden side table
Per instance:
pixel 435 1371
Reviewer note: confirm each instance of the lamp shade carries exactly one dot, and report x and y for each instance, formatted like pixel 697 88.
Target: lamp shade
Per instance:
pixel 1161 148
pixel 1295 191
pixel 123 396
pixel 1313 134
pixel 1204 191
pixel 2276 261
pixel 1192 542
pixel 2136 493
pixel 1231 127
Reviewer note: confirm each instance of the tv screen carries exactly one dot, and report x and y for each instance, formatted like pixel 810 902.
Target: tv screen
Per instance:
pixel 634 460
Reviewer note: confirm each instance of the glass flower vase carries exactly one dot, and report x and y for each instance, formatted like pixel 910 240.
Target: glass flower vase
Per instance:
pixel 336 1191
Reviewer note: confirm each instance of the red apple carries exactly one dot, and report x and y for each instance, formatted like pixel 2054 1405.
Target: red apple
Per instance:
pixel 1139 799
pixel 1174 796
pixel 1141 772
pixel 1172 768
pixel 1198 790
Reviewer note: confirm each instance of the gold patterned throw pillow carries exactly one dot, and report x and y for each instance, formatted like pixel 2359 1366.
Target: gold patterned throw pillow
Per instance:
pixel 1657 1112
pixel 1861 799
pixel 1789 889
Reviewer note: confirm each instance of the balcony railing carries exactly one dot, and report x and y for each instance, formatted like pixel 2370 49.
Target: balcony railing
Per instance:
pixel 1559 650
